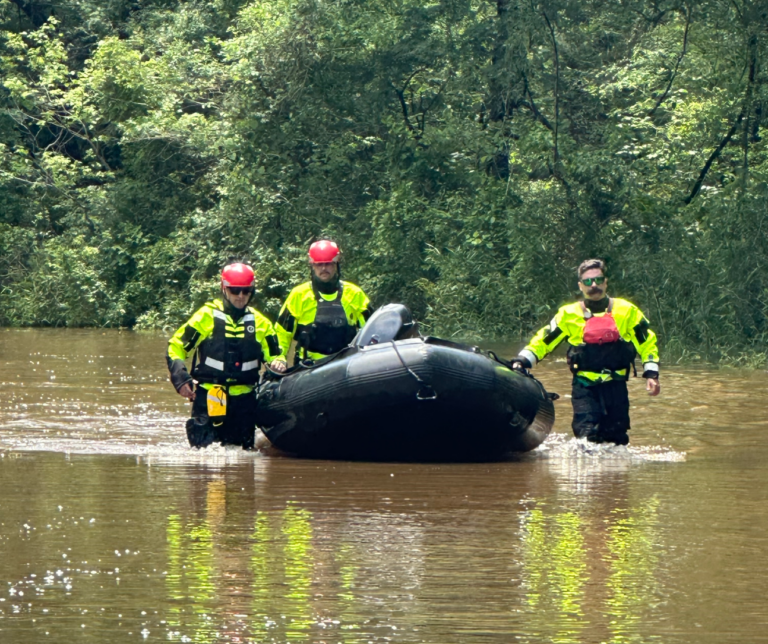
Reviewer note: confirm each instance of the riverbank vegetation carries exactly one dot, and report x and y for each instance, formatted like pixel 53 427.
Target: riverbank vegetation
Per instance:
pixel 466 154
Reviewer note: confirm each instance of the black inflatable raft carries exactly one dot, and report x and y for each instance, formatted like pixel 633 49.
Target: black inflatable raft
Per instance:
pixel 390 396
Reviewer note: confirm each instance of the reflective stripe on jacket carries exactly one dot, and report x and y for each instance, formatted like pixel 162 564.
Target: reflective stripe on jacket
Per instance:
pixel 569 322
pixel 299 313
pixel 227 351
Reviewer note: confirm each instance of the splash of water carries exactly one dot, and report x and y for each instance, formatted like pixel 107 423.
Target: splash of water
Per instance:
pixel 563 447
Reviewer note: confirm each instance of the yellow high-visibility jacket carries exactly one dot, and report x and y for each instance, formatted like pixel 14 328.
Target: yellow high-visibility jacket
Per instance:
pixel 319 335
pixel 227 352
pixel 568 324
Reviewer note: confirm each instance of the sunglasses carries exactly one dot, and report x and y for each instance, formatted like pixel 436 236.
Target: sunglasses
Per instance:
pixel 237 290
pixel 592 280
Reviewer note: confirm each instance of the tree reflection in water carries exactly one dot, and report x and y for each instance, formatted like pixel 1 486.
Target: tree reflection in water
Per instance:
pixel 589 560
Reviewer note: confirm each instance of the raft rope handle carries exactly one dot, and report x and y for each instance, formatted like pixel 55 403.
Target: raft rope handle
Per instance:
pixel 526 372
pixel 426 392
pixel 283 374
pixel 508 365
pixel 301 365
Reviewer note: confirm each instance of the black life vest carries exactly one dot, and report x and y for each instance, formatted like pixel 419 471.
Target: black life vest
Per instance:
pixel 223 360
pixel 330 331
pixel 603 349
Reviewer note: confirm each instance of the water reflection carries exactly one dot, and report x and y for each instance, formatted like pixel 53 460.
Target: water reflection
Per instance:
pixel 297 532
pixel 586 564
pixel 590 558
pixel 111 528
pixel 554 564
pixel 295 574
pixel 632 558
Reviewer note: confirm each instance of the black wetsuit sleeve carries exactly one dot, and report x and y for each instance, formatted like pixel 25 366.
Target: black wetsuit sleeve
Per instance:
pixel 179 374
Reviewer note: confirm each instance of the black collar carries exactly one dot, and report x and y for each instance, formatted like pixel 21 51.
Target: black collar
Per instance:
pixel 326 287
pixel 231 311
pixel 597 306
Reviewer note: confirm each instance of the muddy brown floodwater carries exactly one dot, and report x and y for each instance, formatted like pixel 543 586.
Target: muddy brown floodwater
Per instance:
pixel 113 530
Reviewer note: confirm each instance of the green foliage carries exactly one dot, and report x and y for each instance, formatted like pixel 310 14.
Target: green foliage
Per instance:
pixel 466 154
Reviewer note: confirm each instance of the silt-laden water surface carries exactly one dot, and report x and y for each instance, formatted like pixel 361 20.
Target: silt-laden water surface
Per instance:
pixel 113 530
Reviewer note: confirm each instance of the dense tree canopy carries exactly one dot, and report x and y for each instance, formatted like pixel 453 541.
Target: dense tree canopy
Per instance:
pixel 466 154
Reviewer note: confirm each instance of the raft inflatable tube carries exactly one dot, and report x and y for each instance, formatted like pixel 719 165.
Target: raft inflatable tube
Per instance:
pixel 392 396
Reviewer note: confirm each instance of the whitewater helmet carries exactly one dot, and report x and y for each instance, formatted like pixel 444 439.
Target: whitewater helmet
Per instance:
pixel 237 275
pixel 324 251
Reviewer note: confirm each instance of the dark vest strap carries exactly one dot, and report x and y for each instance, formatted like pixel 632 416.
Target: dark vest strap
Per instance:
pixel 219 325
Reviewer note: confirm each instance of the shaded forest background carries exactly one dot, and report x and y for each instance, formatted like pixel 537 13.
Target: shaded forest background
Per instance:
pixel 466 154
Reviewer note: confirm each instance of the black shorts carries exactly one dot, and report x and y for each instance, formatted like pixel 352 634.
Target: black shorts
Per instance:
pixel 601 412
pixel 238 427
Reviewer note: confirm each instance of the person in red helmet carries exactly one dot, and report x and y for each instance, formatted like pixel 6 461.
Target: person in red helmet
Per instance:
pixel 325 313
pixel 229 341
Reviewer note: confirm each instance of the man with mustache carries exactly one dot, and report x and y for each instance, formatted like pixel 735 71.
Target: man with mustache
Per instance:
pixel 604 336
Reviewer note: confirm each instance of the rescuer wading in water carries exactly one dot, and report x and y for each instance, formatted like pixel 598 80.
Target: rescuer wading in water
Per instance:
pixel 324 314
pixel 604 335
pixel 230 341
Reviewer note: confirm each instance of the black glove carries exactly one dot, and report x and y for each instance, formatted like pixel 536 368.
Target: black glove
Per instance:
pixel 521 362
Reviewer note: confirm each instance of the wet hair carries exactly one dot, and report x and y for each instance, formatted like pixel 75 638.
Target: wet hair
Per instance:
pixel 589 264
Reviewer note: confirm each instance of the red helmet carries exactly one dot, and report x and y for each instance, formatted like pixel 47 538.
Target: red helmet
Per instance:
pixel 323 251
pixel 239 275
